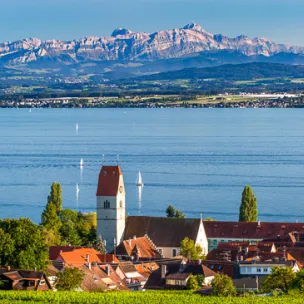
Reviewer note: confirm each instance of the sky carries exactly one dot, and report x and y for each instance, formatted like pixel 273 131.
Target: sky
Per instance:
pixel 279 20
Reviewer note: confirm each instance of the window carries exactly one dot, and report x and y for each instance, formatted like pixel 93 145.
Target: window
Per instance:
pixel 265 270
pixel 174 252
pixel 42 282
pixel 120 204
pixel 106 205
pixel 160 251
pixel 214 242
pixel 259 270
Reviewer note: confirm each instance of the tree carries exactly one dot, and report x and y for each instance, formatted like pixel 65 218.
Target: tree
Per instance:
pixel 299 280
pixel 49 218
pixel 56 196
pixel 222 285
pixel 75 229
pixel 248 208
pixel 70 279
pixel 91 218
pixel 192 283
pixel 100 246
pixel 280 278
pixel 189 250
pixel 179 214
pixel 170 211
pixel 6 248
pixel 209 219
pixel 25 243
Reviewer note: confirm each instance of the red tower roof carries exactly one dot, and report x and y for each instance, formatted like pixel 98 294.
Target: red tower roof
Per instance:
pixel 108 181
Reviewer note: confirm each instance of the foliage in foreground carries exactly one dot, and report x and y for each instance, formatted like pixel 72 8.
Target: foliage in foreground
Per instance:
pixel 223 286
pixel 163 297
pixel 284 279
pixel 22 245
pixel 70 279
pixel 189 250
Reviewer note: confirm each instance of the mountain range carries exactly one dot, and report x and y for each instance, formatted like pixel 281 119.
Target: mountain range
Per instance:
pixel 136 53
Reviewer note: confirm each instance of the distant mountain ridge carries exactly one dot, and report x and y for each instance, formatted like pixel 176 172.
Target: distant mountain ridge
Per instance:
pixel 246 71
pixel 125 45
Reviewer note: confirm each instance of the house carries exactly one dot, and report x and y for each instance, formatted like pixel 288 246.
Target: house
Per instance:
pixel 241 251
pixel 127 272
pixel 262 268
pixel 251 283
pixel 224 267
pixel 101 278
pixel 176 275
pixel 82 256
pixel 141 248
pixel 217 231
pixel 146 268
pixel 55 250
pixel 167 233
pixel 16 279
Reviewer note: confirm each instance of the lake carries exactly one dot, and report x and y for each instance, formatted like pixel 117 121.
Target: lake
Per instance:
pixel 198 160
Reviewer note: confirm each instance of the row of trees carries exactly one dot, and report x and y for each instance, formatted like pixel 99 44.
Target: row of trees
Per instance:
pixel 66 226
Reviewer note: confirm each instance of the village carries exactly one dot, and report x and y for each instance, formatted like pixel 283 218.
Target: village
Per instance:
pixel 136 253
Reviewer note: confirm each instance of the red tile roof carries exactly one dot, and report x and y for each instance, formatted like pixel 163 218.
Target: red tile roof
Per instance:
pixel 225 267
pixel 79 256
pixel 249 230
pixel 108 181
pixel 139 247
pixel 55 250
pixel 108 258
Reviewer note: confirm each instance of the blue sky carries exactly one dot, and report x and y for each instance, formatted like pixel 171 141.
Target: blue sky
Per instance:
pixel 279 20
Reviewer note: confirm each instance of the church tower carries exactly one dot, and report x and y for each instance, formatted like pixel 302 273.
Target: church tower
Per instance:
pixel 111 204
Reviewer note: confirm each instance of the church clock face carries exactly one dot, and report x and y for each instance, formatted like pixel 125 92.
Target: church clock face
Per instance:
pixel 121 189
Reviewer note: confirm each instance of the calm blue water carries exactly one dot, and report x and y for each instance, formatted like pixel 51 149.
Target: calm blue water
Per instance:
pixel 195 159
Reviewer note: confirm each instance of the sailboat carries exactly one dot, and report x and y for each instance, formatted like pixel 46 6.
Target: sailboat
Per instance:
pixel 139 180
pixel 81 163
pixel 76 127
pixel 77 188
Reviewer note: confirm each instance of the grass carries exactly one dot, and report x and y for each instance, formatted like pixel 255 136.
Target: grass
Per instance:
pixel 149 297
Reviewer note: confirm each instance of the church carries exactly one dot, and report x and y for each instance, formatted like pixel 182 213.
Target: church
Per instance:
pixel 165 234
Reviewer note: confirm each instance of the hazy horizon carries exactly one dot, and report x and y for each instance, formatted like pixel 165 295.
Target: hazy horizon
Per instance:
pixel 280 21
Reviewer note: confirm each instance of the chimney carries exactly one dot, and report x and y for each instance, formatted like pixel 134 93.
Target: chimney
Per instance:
pixel 90 266
pixel 259 223
pixel 163 271
pixel 246 250
pixel 8 268
pixel 88 258
pixel 129 242
pixel 134 237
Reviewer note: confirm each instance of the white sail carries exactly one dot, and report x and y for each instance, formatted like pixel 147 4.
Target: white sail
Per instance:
pixel 139 180
pixel 77 188
pixel 81 163
pixel 77 127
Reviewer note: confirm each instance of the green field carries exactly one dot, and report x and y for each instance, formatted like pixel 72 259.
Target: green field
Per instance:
pixel 157 297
